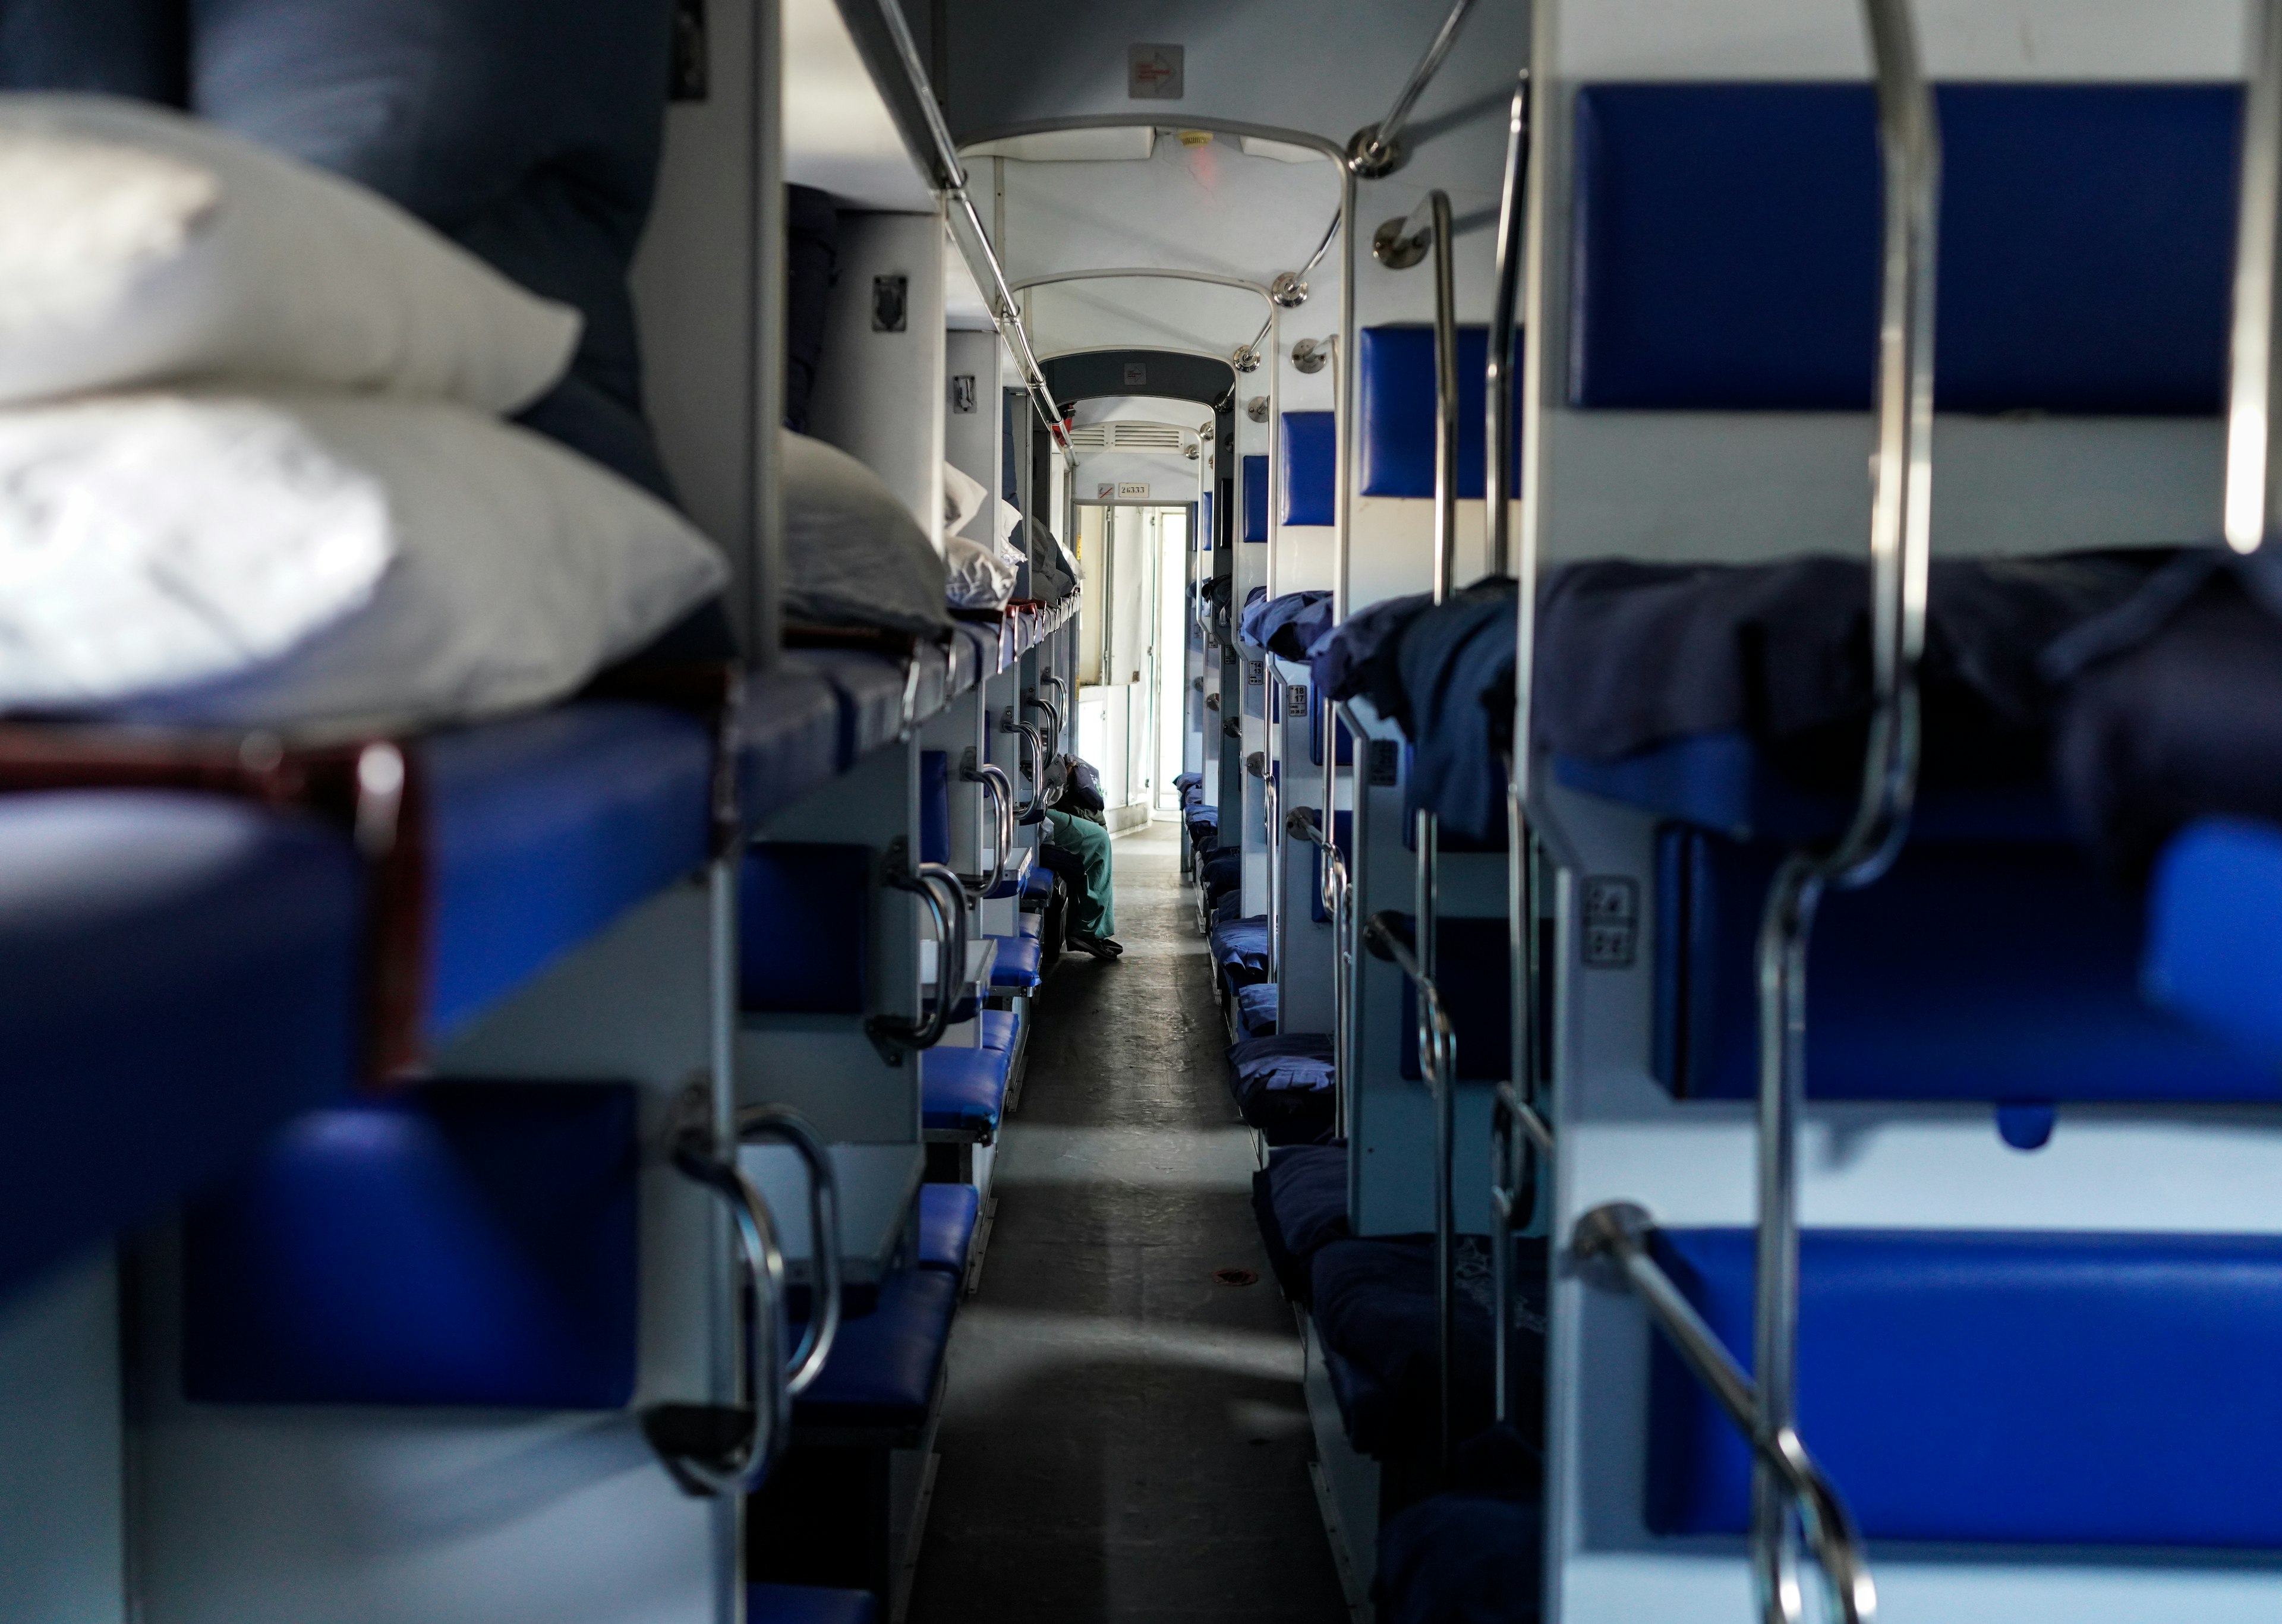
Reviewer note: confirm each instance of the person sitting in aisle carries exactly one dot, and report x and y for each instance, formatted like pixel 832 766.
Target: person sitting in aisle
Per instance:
pixel 1080 854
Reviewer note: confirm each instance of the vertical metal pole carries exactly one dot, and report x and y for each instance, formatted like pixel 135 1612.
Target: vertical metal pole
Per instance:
pixel 1498 466
pixel 764 572
pixel 1909 148
pixel 1445 398
pixel 1342 455
pixel 2252 465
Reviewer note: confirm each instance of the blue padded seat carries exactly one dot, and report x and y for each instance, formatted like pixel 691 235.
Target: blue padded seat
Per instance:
pixel 1030 927
pixel 2213 920
pixel 1299 1201
pixel 803 929
pixel 179 975
pixel 2037 1000
pixel 1256 498
pixel 1283 1088
pixel 884 1368
pixel 543 830
pixel 2031 1389
pixel 947 1219
pixel 1255 1009
pixel 1015 967
pixel 787 740
pixel 1726 246
pixel 963 1090
pixel 467 1244
pixel 801 1604
pixel 871 692
pixel 1395 367
pixel 1038 885
pixel 1001 1029
pixel 1310 468
pixel 1222 872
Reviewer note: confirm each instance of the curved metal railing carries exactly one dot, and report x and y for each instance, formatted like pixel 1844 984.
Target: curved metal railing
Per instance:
pixel 2251 409
pixel 781 1124
pixel 1618 1235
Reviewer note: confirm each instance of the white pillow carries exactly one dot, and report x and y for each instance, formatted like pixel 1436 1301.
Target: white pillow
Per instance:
pixel 963 497
pixel 980 578
pixel 355 563
pixel 853 555
pixel 138 245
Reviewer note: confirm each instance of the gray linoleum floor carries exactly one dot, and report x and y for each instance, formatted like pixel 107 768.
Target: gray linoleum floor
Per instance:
pixel 1124 1438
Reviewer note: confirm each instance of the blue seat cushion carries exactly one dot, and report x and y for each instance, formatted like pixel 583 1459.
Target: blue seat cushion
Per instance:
pixel 2032 1389
pixel 870 688
pixel 1038 885
pixel 2214 918
pixel 2037 1000
pixel 947 1218
pixel 803 929
pixel 962 1090
pixel 1310 468
pixel 179 976
pixel 1015 967
pixel 1030 927
pixel 884 1367
pixel 787 740
pixel 468 1244
pixel 1255 1009
pixel 1256 498
pixel 1241 944
pixel 544 829
pixel 1373 1303
pixel 800 1603
pixel 1726 241
pixel 1002 1028
pixel 1462 1559
pixel 1396 378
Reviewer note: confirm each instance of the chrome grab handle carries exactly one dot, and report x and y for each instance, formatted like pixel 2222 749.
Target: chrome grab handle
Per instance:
pixel 1000 790
pixel 1612 1241
pixel 1053 715
pixel 943 894
pixel 1438 1052
pixel 783 1124
pixel 1909 150
pixel 1035 810
pixel 1511 220
pixel 712 1449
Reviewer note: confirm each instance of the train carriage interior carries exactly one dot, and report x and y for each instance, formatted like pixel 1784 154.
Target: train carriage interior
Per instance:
pixel 1425 812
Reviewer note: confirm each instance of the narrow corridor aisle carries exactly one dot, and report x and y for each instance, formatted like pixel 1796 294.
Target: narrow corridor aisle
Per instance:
pixel 1124 1439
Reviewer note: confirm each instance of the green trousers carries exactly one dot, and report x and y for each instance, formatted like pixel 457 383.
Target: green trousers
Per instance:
pixel 1093 911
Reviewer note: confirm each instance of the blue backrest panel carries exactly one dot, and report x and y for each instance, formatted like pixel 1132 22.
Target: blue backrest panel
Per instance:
pixel 472 1244
pixel 1470 971
pixel 1725 250
pixel 1975 970
pixel 803 929
pixel 2034 1389
pixel 1311 451
pixel 1396 383
pixel 1255 499
pixel 935 806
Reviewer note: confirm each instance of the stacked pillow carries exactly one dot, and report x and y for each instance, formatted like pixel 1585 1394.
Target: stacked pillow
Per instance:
pixel 251 467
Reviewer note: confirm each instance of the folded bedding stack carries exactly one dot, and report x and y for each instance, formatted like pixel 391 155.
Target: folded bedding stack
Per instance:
pixel 253 472
pixel 1283 1087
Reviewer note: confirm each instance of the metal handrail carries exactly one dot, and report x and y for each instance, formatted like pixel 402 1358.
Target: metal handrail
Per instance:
pixel 949 178
pixel 943 894
pixel 712 1449
pixel 1618 1235
pixel 1437 1046
pixel 1053 714
pixel 1332 891
pixel 1376 150
pixel 783 1124
pixel 1909 146
pixel 1498 467
pixel 1000 790
pixel 2251 413
pixel 1036 768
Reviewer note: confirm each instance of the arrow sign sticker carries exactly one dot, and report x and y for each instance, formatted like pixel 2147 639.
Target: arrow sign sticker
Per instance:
pixel 1154 73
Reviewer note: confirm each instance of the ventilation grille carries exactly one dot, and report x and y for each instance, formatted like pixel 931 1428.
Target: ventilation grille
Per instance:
pixel 1129 437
